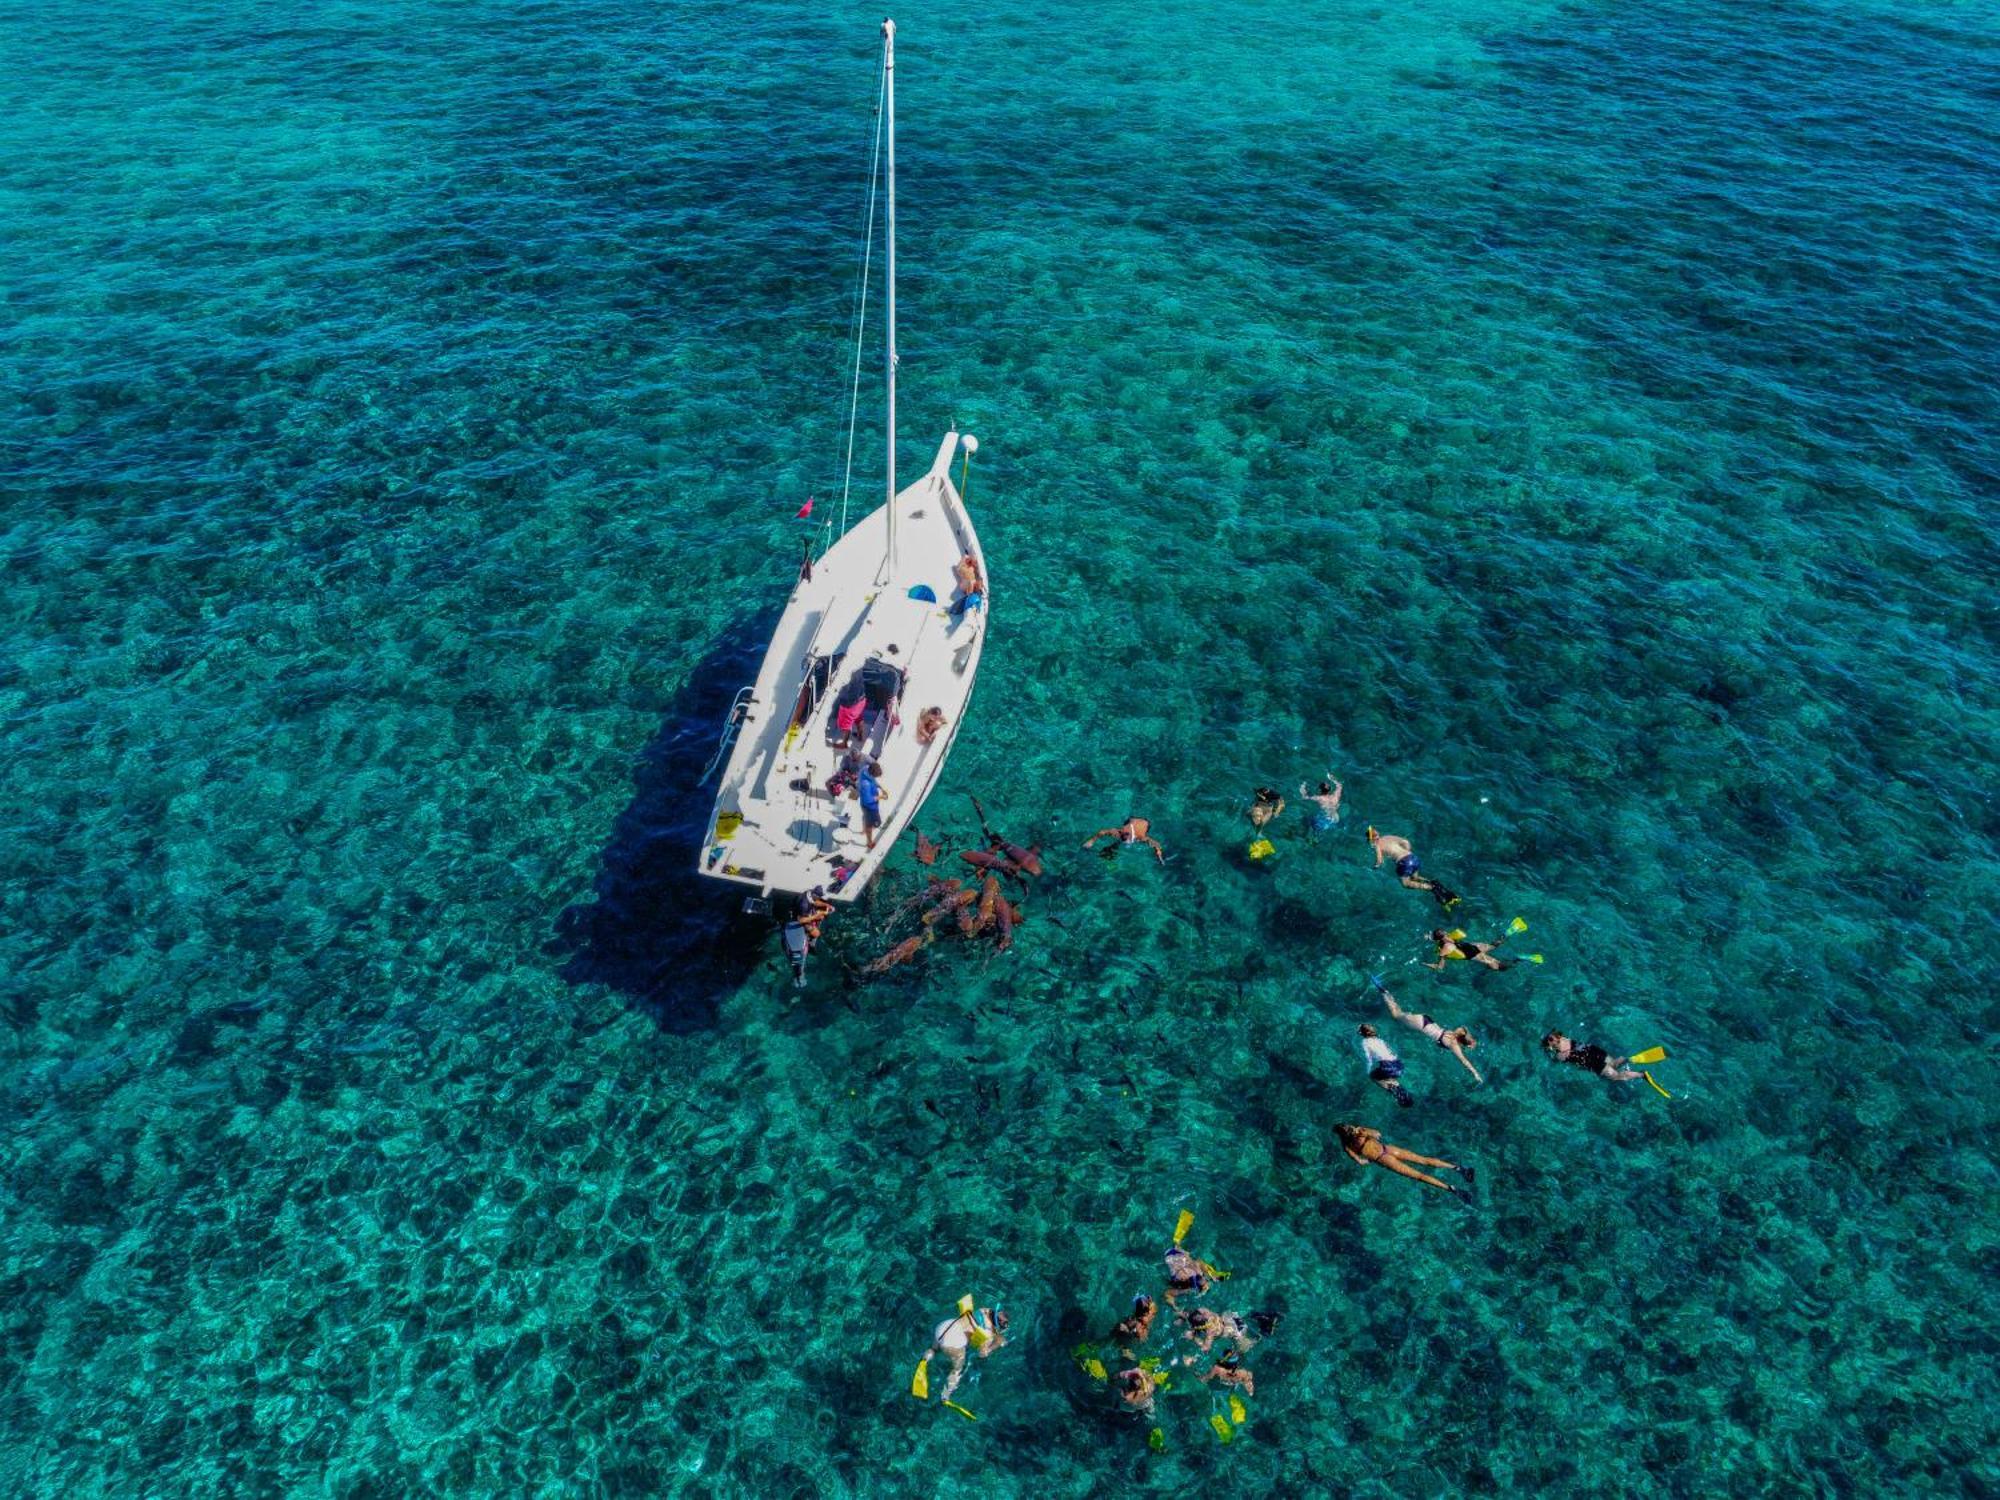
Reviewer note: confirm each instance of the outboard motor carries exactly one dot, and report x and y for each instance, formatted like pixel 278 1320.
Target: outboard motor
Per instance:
pixel 796 948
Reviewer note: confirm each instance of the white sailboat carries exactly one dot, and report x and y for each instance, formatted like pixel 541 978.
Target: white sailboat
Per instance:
pixel 879 620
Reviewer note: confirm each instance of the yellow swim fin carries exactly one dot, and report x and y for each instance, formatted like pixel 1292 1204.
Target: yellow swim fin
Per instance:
pixel 1456 933
pixel 1095 1369
pixel 961 1411
pixel 1236 1412
pixel 1533 958
pixel 1157 1440
pixel 1186 1223
pixel 1519 924
pixel 920 1383
pixel 1650 1055
pixel 1657 1089
pixel 1222 1428
pixel 1263 849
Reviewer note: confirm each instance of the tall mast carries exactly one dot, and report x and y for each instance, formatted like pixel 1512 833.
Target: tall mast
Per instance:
pixel 889 93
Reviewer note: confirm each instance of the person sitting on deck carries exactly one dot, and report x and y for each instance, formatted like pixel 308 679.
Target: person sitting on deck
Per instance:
pixel 971 587
pixel 929 724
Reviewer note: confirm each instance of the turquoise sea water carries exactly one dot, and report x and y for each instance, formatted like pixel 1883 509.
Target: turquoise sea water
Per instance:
pixel 1573 425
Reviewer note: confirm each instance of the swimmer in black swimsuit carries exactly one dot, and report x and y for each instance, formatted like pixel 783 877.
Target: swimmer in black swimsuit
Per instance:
pixel 1185 1274
pixel 1465 948
pixel 1591 1058
pixel 1454 1039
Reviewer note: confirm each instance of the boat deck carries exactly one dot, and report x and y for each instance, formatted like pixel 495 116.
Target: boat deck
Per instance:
pixel 775 826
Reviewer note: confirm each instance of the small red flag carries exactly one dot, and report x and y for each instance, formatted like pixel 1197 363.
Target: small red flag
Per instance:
pixel 807 508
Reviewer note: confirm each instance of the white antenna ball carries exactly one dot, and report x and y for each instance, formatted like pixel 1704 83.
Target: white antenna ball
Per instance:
pixel 971 443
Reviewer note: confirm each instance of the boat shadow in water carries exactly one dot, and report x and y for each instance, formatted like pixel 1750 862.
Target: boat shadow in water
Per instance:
pixel 673 943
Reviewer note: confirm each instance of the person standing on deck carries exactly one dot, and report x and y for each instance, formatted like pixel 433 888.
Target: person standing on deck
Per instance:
pixel 869 790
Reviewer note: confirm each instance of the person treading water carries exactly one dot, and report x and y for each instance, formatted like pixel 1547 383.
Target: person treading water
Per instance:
pixel 984 1330
pixel 1266 805
pixel 1326 806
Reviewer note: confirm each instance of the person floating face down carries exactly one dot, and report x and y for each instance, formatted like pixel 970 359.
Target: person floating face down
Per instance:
pixel 1408 871
pixel 1464 949
pixel 1367 1148
pixel 1590 1057
pixel 1134 830
pixel 1454 1039
pixel 1384 1067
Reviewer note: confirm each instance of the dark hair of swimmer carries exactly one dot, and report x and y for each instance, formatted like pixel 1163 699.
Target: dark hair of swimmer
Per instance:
pixel 1437 935
pixel 1366 1029
pixel 1141 1302
pixel 1549 1041
pixel 1131 1379
pixel 1464 1037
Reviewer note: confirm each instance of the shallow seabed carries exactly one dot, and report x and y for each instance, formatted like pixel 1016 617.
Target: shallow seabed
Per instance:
pixel 1573 425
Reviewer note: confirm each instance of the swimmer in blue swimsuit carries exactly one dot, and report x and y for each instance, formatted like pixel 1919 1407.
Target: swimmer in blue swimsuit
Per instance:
pixel 1393 846
pixel 1326 806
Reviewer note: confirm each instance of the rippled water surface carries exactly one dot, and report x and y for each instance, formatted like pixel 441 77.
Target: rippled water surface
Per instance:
pixel 1573 425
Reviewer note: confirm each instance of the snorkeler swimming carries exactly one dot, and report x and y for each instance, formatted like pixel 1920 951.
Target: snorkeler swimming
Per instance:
pixel 1394 846
pixel 1384 1067
pixel 1134 830
pixel 1367 1147
pixel 1457 946
pixel 1591 1058
pixel 1454 1039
